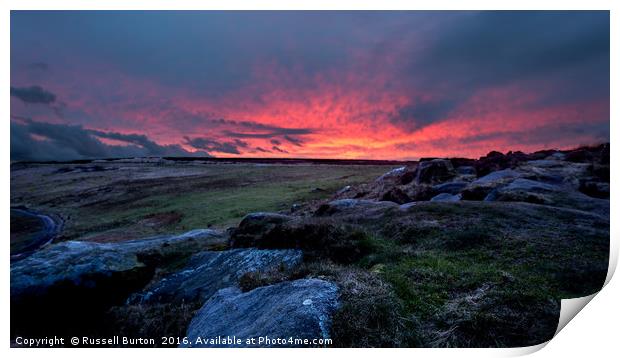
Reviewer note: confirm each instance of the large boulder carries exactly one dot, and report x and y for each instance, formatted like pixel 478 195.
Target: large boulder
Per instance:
pixel 525 190
pixel 434 171
pixel 396 195
pixel 300 309
pixel 81 264
pixel 497 177
pixel 450 187
pixel 66 285
pixel 320 236
pixel 254 226
pixel 495 161
pixel 344 206
pixel 209 271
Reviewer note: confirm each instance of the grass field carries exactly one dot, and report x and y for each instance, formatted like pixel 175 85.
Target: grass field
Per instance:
pixel 120 201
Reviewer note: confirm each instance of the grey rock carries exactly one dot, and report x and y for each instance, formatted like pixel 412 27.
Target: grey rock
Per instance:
pixel 434 171
pixel 450 187
pixel 497 176
pixel 446 197
pixel 557 156
pixel 299 309
pixel 351 206
pixel 530 185
pixel 466 170
pixel 343 190
pixel 394 173
pixel 210 271
pixel 254 226
pixel 78 263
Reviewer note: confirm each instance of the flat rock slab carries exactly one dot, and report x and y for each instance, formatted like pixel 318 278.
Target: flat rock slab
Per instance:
pixel 300 309
pixel 531 185
pixel 352 206
pixel 450 187
pixel 446 197
pixel 80 263
pixel 209 271
pixel 497 176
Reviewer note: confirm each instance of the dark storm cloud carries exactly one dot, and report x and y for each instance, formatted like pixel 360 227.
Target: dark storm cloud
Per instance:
pixel 494 47
pixel 278 149
pixel 548 133
pixel 421 113
pixel 211 145
pixel 481 50
pixel 294 140
pixel 33 94
pixel 68 142
pixel 269 132
pixel 271 63
pixel 262 150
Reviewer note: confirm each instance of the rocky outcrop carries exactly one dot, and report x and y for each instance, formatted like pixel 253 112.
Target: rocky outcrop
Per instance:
pixel 344 206
pixel 446 197
pixel 319 238
pixel 454 187
pixel 78 263
pixel 255 225
pixel 434 171
pixel 68 284
pixel 298 309
pixel 209 271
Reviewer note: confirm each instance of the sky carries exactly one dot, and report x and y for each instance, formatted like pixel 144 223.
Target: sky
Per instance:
pixel 320 84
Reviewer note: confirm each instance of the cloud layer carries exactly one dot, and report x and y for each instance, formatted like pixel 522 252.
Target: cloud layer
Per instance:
pixel 392 85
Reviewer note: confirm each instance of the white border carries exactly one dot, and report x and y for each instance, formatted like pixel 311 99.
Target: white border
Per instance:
pixel 594 330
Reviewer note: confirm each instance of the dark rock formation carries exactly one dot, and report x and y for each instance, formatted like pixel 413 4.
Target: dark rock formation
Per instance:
pixel 299 309
pixel 67 285
pixel 255 225
pixel 446 197
pixel 434 171
pixel 210 271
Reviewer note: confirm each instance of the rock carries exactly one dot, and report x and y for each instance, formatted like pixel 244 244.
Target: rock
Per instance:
pixel 392 174
pixel 526 190
pixel 255 225
pixel 446 197
pixel 81 263
pixel 396 195
pixel 555 171
pixel 466 170
pixel 557 156
pixel 495 161
pixel 434 171
pixel 66 285
pixel 580 156
pixel 352 206
pixel 300 309
pixel 450 187
pixel 319 237
pixel 530 185
pixel 344 190
pixel 476 192
pixel 595 189
pixel 210 271
pixel 481 188
pixel 496 177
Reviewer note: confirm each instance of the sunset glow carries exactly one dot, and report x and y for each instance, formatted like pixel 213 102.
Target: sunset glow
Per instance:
pixel 385 85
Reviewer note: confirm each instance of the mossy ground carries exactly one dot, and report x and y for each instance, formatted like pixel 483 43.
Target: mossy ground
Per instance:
pixel 456 274
pixel 133 201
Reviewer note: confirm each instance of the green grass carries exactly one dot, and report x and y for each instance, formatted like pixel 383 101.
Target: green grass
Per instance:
pixel 115 205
